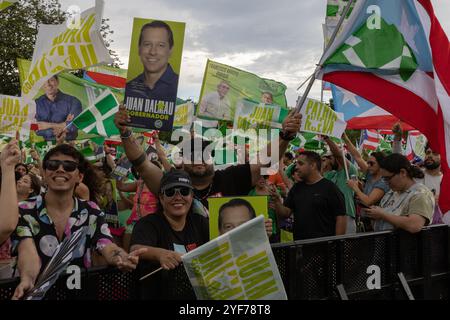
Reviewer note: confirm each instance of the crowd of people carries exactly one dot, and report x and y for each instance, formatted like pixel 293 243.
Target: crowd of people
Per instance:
pixel 149 219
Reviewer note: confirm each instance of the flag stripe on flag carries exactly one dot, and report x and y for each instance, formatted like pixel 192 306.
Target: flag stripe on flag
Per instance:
pixel 423 100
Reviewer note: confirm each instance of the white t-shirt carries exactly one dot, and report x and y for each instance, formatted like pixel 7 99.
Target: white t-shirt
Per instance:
pixel 213 107
pixel 432 182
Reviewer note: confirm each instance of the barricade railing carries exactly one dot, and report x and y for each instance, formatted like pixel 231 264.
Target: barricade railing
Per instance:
pixel 381 265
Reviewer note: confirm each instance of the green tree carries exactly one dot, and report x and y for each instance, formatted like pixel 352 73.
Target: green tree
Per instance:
pixel 19 27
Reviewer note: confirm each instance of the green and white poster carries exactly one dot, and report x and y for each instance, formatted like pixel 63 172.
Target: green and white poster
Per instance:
pixel 253 115
pixel 60 48
pixel 15 116
pixel 238 265
pixel 229 212
pixel 85 91
pixel 224 86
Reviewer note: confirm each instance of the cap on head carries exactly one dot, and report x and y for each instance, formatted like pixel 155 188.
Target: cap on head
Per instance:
pixel 175 178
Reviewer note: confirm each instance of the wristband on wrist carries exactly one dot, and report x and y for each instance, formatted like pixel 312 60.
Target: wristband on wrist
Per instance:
pixel 126 135
pixel 286 137
pixel 137 162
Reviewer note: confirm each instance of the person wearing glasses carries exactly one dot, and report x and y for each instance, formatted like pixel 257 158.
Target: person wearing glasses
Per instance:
pixel 236 180
pixel 170 232
pixel 409 205
pixel 46 220
pixel 374 188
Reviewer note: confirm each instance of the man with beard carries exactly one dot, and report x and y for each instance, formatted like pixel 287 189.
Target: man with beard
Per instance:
pixel 233 181
pixel 432 173
pixel 432 163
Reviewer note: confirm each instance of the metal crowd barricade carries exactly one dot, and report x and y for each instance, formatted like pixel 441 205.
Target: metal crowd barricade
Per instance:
pixel 382 265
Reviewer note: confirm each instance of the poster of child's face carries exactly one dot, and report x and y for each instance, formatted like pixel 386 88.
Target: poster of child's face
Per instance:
pixel 227 213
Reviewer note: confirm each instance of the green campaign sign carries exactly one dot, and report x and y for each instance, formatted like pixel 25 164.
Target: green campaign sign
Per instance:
pixel 225 86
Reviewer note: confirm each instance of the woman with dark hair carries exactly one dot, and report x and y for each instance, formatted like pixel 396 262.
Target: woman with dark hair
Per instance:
pixel 409 205
pixel 374 188
pixel 28 186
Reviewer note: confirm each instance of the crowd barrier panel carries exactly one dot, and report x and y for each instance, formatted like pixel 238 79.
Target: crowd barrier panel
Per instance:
pixel 380 265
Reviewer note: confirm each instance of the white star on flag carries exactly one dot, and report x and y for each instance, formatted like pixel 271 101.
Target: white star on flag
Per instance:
pixel 349 97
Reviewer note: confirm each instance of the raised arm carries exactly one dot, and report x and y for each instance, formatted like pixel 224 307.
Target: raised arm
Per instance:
pixel 150 173
pixel 290 127
pixel 398 133
pixel 9 211
pixel 161 154
pixel 355 154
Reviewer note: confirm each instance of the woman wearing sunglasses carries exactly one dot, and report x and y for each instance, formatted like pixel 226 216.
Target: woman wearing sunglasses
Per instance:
pixel 169 233
pixel 375 187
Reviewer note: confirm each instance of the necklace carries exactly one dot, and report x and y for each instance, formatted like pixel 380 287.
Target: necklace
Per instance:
pixel 205 196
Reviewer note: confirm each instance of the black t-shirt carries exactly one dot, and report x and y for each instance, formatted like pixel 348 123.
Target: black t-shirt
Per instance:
pixel 233 181
pixel 155 231
pixel 315 208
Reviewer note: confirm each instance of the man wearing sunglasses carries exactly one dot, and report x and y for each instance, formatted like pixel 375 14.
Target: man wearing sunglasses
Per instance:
pixel 234 181
pixel 169 233
pixel 46 220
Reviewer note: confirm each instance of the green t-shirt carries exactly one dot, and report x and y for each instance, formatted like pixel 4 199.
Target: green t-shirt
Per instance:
pixel 339 178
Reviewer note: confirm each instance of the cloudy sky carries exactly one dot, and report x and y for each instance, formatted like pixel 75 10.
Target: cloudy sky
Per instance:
pixel 280 40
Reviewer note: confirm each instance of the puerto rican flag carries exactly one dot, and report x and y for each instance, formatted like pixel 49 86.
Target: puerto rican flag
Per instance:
pixel 370 140
pixel 362 114
pixel 399 61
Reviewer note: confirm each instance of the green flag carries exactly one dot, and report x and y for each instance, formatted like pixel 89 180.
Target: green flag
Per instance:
pixel 383 49
pixel 99 117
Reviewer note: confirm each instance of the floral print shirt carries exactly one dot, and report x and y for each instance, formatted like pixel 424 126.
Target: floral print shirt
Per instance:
pixel 35 223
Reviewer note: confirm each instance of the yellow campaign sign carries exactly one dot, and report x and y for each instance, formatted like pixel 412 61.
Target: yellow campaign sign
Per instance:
pixel 15 116
pixel 65 47
pixel 319 118
pixel 184 114
pixel 6 3
pixel 238 265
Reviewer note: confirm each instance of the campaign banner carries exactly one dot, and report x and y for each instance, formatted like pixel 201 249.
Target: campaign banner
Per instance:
pixel 238 265
pixel 153 73
pixel 184 114
pixel 319 118
pixel 6 3
pixel 228 212
pixel 15 116
pixel 66 47
pixel 86 92
pixel 253 115
pixel 224 86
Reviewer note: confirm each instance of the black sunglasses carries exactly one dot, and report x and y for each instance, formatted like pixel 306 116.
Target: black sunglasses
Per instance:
pixel 53 165
pixel 184 191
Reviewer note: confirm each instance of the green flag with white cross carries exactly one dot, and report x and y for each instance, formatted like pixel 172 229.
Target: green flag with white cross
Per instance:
pixel 99 117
